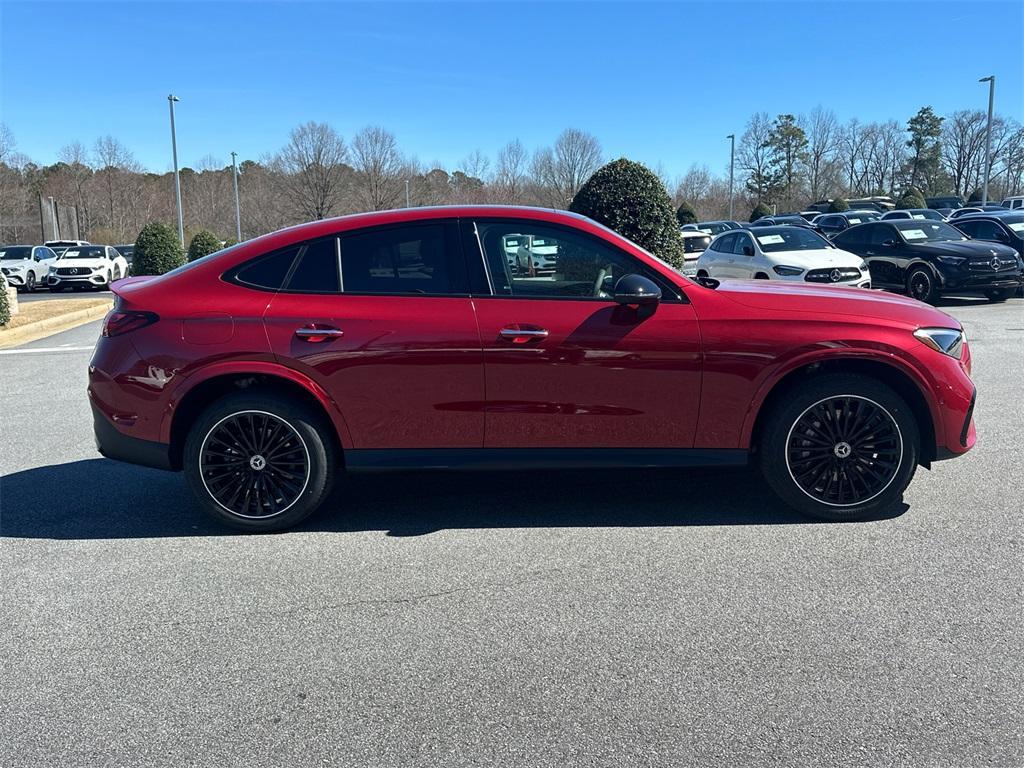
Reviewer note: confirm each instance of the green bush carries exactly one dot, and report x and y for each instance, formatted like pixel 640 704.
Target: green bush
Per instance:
pixel 629 198
pixel 760 211
pixel 685 214
pixel 5 307
pixel 838 205
pixel 229 242
pixel 157 250
pixel 203 243
pixel 912 199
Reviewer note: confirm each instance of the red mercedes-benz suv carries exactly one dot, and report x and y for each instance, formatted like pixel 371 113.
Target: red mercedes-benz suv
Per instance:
pixel 498 337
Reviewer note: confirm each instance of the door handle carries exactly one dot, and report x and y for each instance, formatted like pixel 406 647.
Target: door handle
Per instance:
pixel 519 335
pixel 316 333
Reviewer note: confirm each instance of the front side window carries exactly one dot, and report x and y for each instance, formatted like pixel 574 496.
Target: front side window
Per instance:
pixel 743 241
pixel 725 243
pixel 982 230
pixel 881 234
pixel 535 260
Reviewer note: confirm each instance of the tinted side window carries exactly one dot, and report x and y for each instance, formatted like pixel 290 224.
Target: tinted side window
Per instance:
pixel 741 241
pixel 851 237
pixel 317 270
pixel 983 230
pixel 725 244
pixel 881 233
pixel 415 258
pixel 268 271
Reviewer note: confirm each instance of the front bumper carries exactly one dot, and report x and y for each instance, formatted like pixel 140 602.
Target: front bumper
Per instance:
pixel 15 280
pixel 93 279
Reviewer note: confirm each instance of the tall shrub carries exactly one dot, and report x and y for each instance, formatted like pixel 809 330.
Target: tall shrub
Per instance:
pixel 157 250
pixel 5 307
pixel 629 198
pixel 203 243
pixel 760 211
pixel 685 214
pixel 838 205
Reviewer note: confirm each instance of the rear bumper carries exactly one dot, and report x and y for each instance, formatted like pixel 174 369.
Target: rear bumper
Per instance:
pixel 114 444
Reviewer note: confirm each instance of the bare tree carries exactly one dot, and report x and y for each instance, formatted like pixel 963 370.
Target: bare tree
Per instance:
pixel 693 187
pixel 378 169
pixel 117 174
pixel 562 170
pixel 823 137
pixel 7 142
pixel 755 156
pixel 310 169
pixel 511 174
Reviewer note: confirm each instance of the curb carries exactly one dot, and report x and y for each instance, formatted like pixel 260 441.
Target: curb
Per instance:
pixel 51 325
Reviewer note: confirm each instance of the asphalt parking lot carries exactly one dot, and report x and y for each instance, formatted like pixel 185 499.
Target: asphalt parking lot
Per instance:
pixel 541 619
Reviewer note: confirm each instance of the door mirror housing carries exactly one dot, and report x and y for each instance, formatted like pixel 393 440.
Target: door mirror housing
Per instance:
pixel 890 243
pixel 748 250
pixel 637 290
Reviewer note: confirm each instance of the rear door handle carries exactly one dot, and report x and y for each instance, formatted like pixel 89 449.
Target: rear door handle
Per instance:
pixel 316 333
pixel 522 334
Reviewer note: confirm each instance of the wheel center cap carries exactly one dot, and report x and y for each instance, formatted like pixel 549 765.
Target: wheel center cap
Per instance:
pixel 259 463
pixel 842 450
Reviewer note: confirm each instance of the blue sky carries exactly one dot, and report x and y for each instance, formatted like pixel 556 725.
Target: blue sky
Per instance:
pixel 660 83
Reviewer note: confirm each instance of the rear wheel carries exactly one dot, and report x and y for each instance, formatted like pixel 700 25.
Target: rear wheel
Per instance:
pixel 921 285
pixel 259 461
pixel 841 447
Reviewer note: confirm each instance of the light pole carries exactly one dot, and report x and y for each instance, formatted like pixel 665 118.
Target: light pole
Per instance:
pixel 407 205
pixel 177 181
pixel 991 80
pixel 238 208
pixel 732 164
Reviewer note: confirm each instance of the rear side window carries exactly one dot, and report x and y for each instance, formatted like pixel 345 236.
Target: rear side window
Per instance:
pixel 415 258
pixel 317 270
pixel 267 272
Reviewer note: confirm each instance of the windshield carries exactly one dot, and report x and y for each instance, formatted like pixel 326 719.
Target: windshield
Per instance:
pixel 714 227
pixel 861 216
pixel 927 231
pixel 696 244
pixel 83 253
pixel 790 239
pixel 16 252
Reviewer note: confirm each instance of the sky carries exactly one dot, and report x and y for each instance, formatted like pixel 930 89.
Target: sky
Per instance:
pixel 662 83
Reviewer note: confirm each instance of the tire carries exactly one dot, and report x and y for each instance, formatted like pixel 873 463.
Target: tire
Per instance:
pixel 1000 295
pixel 30 283
pixel 807 462
pixel 221 440
pixel 921 285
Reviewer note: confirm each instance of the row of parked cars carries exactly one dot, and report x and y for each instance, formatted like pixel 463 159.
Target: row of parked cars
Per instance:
pixel 919 251
pixel 64 264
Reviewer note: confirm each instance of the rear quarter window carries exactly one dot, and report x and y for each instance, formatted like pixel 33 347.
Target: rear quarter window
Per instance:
pixel 266 272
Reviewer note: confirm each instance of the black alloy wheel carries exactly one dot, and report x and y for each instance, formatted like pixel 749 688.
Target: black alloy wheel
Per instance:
pixel 844 451
pixel 921 285
pixel 254 464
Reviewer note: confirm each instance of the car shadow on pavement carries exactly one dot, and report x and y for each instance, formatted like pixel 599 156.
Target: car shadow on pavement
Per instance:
pixel 103 499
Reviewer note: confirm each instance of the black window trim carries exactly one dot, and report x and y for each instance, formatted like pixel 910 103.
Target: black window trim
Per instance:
pixel 662 282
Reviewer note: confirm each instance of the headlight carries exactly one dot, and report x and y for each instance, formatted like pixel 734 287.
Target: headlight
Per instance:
pixel 948 341
pixel 788 271
pixel 952 260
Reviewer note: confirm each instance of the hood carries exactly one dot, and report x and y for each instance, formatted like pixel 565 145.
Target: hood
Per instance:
pixel 819 258
pixel 781 296
pixel 968 249
pixel 88 263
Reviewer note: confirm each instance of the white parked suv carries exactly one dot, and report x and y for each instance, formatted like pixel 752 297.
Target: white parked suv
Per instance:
pixel 87 266
pixel 694 244
pixel 782 253
pixel 26 266
pixel 1013 203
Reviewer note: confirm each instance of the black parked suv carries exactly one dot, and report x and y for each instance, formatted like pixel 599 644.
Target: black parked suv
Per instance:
pixel 997 227
pixel 928 258
pixel 831 224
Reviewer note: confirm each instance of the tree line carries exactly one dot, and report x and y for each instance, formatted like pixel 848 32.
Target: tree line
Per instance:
pixel 787 162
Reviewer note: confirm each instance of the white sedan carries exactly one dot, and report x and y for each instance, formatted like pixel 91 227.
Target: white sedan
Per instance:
pixel 87 266
pixel 782 253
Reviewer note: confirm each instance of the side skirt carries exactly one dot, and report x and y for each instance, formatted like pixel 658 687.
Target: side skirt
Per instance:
pixel 494 459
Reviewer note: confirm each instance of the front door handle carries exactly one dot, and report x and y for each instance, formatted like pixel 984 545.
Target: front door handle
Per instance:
pixel 316 333
pixel 522 334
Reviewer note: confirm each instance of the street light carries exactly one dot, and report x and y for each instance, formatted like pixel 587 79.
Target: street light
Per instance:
pixel 732 164
pixel 177 181
pixel 407 205
pixel 238 208
pixel 991 80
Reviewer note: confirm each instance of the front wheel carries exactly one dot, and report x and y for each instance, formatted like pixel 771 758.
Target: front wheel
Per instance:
pixel 259 462
pixel 840 447
pixel 30 283
pixel 921 285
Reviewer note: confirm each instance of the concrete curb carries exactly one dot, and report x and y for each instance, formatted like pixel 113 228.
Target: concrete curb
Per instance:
pixel 51 325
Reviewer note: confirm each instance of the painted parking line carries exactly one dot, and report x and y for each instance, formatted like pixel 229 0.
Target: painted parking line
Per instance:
pixel 42 350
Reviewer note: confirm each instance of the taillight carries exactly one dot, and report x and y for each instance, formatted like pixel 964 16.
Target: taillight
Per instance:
pixel 120 322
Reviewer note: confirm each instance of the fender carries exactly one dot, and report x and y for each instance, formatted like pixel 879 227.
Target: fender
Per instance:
pixel 890 356
pixel 918 262
pixel 252 367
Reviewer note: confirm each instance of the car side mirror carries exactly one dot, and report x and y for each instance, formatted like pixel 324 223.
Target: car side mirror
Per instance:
pixel 890 243
pixel 748 250
pixel 636 289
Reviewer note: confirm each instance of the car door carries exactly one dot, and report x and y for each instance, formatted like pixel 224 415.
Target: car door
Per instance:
pixel 715 260
pixel 744 260
pixel 568 367
pixel 391 336
pixel 883 254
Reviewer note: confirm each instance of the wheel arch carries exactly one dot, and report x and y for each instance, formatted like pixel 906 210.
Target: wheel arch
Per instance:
pixel 187 406
pixel 898 378
pixel 919 262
